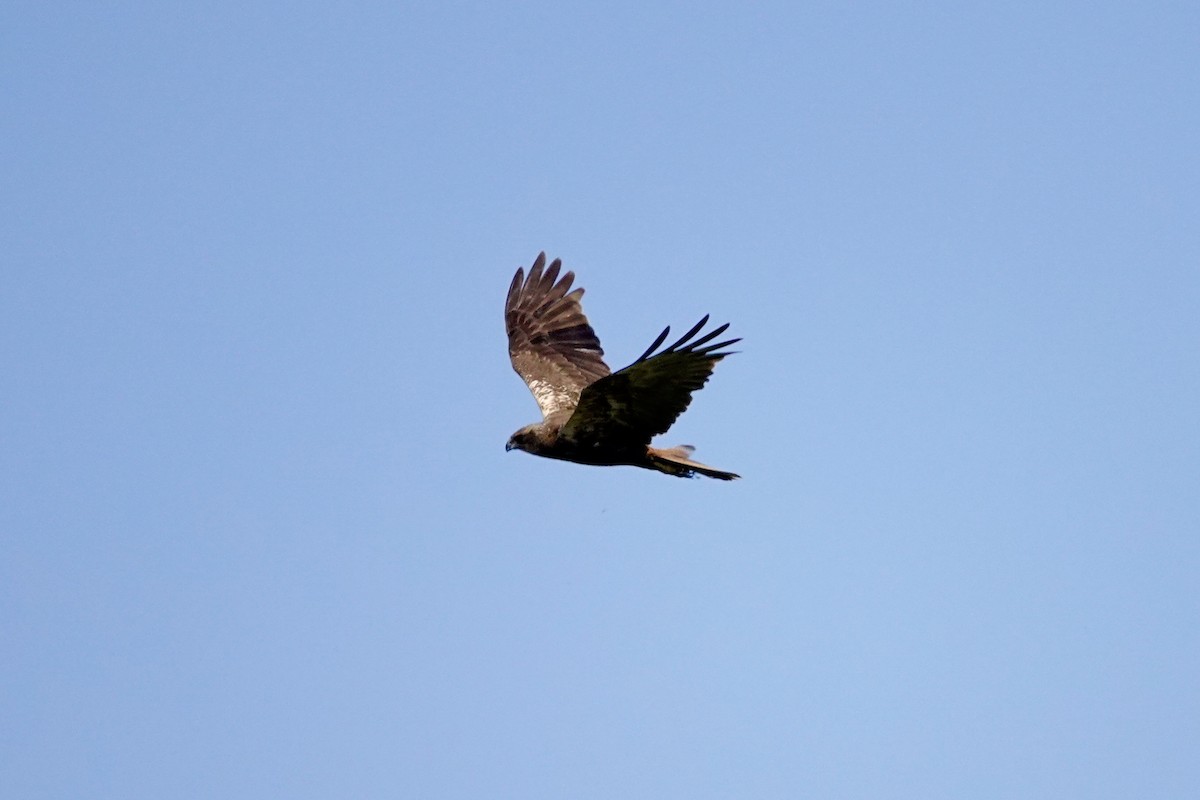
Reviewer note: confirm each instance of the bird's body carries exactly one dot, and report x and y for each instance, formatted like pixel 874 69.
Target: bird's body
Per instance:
pixel 591 415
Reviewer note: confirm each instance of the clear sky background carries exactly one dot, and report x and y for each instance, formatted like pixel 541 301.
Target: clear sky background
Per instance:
pixel 259 535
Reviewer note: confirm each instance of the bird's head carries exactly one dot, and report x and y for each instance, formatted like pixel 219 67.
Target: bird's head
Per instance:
pixel 525 439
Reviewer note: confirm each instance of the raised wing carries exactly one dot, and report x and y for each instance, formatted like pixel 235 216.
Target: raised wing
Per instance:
pixel 641 401
pixel 551 344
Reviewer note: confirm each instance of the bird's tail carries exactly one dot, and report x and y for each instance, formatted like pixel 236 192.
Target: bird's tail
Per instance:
pixel 678 461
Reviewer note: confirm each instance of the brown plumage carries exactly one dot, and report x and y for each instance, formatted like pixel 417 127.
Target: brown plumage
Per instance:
pixel 591 415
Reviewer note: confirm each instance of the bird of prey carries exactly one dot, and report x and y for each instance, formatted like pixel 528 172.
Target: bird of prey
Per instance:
pixel 591 415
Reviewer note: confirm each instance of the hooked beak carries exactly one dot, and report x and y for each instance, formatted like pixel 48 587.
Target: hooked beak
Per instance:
pixel 508 446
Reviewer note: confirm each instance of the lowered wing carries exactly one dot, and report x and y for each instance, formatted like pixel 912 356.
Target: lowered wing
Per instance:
pixel 643 400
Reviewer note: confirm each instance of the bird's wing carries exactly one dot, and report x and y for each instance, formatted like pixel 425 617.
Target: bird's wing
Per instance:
pixel 551 344
pixel 644 399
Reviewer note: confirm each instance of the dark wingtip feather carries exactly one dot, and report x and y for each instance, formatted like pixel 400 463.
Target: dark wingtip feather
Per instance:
pixel 683 345
pixel 535 272
pixel 725 343
pixel 682 339
pixel 662 336
pixel 549 276
pixel 708 337
pixel 514 289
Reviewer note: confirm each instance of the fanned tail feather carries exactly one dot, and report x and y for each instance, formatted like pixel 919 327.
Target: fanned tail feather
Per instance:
pixel 678 461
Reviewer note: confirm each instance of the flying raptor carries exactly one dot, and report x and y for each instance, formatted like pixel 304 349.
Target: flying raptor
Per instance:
pixel 591 415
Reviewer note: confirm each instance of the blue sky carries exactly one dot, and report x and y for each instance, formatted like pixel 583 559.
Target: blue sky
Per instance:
pixel 260 535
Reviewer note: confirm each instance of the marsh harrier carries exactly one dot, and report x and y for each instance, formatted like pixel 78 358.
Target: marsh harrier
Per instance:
pixel 591 415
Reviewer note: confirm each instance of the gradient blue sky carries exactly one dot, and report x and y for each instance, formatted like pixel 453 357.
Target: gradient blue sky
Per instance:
pixel 260 536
